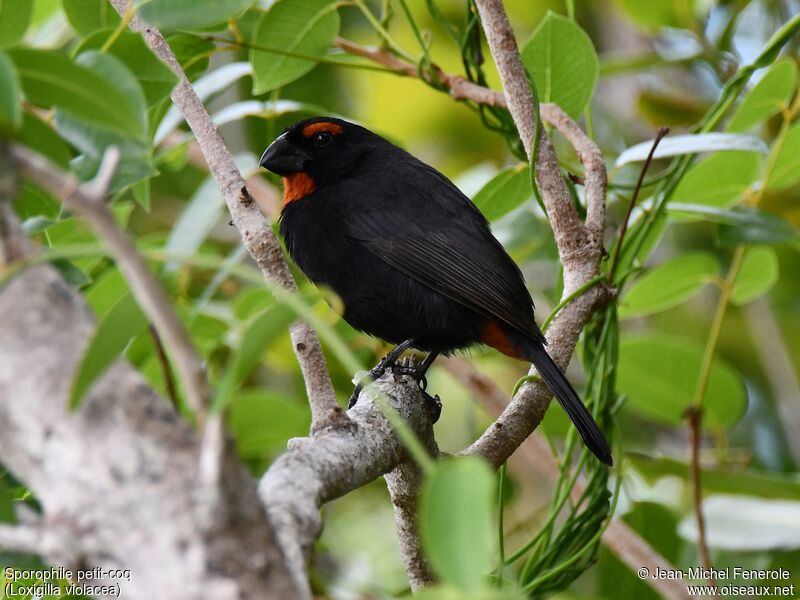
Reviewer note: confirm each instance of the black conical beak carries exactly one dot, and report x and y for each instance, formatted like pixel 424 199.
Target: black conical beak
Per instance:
pixel 284 158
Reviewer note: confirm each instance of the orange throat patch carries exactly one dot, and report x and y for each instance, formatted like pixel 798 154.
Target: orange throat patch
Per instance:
pixel 296 186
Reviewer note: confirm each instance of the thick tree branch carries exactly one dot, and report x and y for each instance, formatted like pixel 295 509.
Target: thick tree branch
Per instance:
pixel 25 539
pixel 256 233
pixel 88 201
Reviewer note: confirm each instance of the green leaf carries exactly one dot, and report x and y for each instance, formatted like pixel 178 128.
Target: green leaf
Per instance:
pixel 190 14
pixel 121 323
pixel 305 27
pixel 50 79
pixel 504 192
pixel 669 284
pixel 155 78
pixel 563 63
pixel 41 137
pixel 655 14
pixel 769 96
pixel 669 108
pixel 10 108
pixel 87 16
pixel 676 145
pixel 261 330
pixel 757 275
pixel 658 373
pixel 106 290
pixel 15 16
pixel 720 179
pixel 192 53
pixel 740 224
pixel 721 479
pixel 455 521
pixel 262 421
pixel 787 164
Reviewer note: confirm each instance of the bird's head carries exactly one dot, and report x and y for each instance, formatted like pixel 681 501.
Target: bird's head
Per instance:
pixel 316 152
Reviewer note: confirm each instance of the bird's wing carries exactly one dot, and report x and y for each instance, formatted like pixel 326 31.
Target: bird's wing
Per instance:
pixel 446 244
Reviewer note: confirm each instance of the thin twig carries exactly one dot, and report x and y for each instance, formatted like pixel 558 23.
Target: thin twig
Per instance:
pixel 166 369
pixel 659 136
pixel 150 295
pixel 25 539
pixel 256 233
pixel 694 417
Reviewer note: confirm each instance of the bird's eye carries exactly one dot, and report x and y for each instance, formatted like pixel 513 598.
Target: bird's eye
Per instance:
pixel 322 138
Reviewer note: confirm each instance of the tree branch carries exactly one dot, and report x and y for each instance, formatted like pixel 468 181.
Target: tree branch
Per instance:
pixel 25 539
pixel 256 233
pixel 88 201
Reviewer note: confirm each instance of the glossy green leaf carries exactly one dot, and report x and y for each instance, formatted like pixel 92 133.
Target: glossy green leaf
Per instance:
pixel 655 14
pixel 669 284
pixel 88 16
pixel 305 27
pixel 740 224
pixel 260 331
pixel 119 325
pixel 40 137
pixel 720 179
pixel 455 521
pixel 757 275
pixel 262 421
pixel 155 78
pixel 787 164
pixel 10 93
pixel 658 373
pixel 769 96
pixel 190 14
pixel 504 192
pixel 105 291
pixel 51 79
pixel 563 63
pixel 15 16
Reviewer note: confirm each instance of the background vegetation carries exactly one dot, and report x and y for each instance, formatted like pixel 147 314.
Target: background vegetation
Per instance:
pixel 707 321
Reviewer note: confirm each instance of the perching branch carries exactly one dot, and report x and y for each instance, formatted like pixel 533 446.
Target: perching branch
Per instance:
pixel 579 245
pixel 256 233
pixel 88 200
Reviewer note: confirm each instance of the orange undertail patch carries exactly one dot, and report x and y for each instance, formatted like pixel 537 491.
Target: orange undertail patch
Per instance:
pixel 312 128
pixel 296 186
pixel 493 334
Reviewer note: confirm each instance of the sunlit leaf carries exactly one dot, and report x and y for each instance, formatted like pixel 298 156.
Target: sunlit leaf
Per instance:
pixel 119 325
pixel 655 14
pixel 669 284
pixel 305 27
pixel 692 144
pixel 190 14
pixel 455 521
pixel 504 192
pixel 787 164
pixel 769 95
pixel 719 180
pixel 10 93
pixel 15 16
pixel 757 275
pixel 659 372
pixel 563 63
pixel 88 16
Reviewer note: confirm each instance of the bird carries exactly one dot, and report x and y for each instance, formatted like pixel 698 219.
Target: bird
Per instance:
pixel 412 259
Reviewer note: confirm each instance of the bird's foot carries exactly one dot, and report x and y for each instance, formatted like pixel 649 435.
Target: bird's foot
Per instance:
pixel 375 373
pixel 412 368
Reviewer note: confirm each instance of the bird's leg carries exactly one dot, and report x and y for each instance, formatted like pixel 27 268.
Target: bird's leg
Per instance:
pixel 386 362
pixel 418 371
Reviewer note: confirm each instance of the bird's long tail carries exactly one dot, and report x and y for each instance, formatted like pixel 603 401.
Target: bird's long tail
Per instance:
pixel 568 399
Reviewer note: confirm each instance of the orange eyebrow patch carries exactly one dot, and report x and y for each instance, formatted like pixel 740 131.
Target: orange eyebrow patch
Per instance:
pixel 313 128
pixel 296 186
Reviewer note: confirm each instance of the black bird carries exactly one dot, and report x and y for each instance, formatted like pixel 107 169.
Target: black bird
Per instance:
pixel 411 257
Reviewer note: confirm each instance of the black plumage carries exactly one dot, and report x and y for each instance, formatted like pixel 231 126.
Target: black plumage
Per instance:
pixel 410 256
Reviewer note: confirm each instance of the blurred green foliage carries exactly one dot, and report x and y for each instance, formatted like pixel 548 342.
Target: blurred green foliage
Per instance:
pixel 709 303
